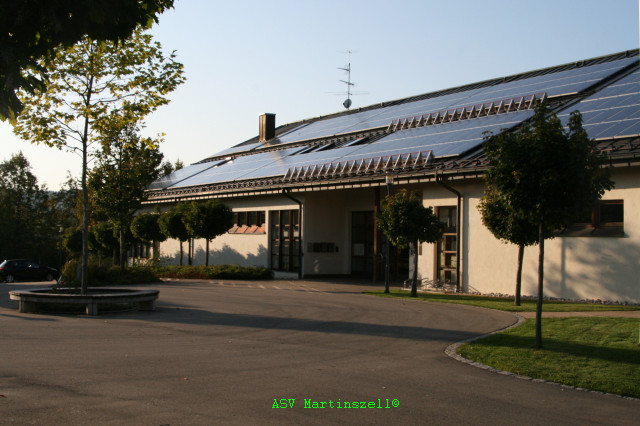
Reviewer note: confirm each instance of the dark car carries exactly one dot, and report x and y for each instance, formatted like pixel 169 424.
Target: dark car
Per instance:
pixel 25 270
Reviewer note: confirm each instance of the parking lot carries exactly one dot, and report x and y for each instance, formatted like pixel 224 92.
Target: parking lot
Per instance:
pixel 218 352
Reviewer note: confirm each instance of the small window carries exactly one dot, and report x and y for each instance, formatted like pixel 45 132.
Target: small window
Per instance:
pixel 606 220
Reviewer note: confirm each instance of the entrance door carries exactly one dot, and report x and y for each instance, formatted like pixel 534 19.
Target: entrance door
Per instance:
pixel 285 240
pixel 362 244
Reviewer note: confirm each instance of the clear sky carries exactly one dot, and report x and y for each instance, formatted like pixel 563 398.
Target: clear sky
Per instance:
pixel 248 57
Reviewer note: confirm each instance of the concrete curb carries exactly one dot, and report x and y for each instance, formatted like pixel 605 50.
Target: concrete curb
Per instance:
pixel 452 351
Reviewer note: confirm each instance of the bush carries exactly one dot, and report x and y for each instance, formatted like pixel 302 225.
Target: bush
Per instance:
pixel 233 272
pixel 100 275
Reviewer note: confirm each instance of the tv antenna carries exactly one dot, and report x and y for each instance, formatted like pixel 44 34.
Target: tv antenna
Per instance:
pixel 347 103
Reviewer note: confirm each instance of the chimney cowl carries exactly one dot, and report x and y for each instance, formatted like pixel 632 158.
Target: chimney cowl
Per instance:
pixel 267 127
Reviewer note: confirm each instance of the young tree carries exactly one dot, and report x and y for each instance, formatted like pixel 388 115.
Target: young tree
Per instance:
pixel 172 225
pixel 125 166
pixel 548 176
pixel 405 221
pixel 89 84
pixel 505 225
pixel 208 220
pixel 146 227
pixel 32 29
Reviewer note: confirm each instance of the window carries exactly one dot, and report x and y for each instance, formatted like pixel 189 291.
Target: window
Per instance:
pixel 285 240
pixel 447 254
pixel 606 220
pixel 249 222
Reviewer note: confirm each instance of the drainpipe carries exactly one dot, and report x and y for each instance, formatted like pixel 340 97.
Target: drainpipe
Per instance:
pixel 286 194
pixel 442 183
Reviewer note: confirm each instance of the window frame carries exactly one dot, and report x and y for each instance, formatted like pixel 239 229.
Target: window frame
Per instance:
pixel 597 227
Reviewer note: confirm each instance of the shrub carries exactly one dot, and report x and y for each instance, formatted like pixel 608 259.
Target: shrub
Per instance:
pixel 100 275
pixel 214 272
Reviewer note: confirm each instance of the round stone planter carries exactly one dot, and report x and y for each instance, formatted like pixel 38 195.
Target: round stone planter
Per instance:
pixel 29 300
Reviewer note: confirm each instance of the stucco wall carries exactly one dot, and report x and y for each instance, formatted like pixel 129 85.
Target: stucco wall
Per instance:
pixel 235 249
pixel 605 268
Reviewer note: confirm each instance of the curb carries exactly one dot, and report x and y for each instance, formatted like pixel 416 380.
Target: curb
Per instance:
pixel 452 351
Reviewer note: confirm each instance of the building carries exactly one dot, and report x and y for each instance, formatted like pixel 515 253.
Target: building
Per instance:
pixel 304 194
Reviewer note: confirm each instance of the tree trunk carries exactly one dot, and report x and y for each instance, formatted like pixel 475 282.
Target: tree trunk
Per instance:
pixel 519 274
pixel 190 252
pixel 414 280
pixel 180 252
pixel 84 271
pixel 123 253
pixel 540 282
pixel 207 255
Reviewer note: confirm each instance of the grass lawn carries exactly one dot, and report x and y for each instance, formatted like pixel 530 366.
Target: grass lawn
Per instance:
pixel 506 304
pixel 594 353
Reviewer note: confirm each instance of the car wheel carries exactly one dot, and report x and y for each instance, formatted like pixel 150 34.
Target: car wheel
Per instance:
pixel 49 277
pixel 9 278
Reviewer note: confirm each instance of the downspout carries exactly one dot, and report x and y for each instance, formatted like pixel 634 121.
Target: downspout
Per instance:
pixel 458 229
pixel 286 194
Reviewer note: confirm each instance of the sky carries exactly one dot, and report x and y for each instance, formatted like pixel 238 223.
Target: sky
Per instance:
pixel 249 57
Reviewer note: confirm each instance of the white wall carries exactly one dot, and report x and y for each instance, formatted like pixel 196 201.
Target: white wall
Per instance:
pixel 605 268
pixel 236 249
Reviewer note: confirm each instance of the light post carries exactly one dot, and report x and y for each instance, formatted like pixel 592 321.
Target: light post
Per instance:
pixel 388 180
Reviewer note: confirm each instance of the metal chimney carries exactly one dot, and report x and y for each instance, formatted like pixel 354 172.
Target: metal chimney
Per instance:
pixel 267 127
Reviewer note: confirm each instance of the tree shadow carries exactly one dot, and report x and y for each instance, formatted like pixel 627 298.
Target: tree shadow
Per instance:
pixel 207 318
pixel 224 256
pixel 562 347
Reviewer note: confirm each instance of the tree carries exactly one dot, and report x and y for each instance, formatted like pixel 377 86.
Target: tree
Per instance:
pixel 172 225
pixel 548 176
pixel 168 168
pixel 505 225
pixel 32 29
pixel 126 165
pixel 405 221
pixel 208 220
pixel 27 221
pixel 146 227
pixel 91 83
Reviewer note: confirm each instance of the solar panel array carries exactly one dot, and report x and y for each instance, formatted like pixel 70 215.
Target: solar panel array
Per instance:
pixel 613 111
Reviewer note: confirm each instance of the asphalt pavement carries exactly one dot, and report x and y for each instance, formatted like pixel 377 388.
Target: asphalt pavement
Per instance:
pixel 271 352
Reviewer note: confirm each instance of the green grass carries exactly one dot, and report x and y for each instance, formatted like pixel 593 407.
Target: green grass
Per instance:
pixel 506 304
pixel 600 354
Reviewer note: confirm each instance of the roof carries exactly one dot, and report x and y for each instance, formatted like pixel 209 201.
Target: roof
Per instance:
pixel 415 138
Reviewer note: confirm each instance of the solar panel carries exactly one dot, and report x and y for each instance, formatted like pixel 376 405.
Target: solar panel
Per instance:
pixel 555 83
pixel 180 175
pixel 613 111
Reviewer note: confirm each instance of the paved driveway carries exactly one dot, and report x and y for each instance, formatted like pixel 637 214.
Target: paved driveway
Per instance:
pixel 227 352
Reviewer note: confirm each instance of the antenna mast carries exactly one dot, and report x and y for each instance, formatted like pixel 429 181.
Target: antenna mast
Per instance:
pixel 347 102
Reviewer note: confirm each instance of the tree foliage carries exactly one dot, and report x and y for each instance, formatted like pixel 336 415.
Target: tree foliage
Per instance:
pixel 32 29
pixel 546 177
pixel 405 221
pixel 92 84
pixel 145 227
pixel 27 221
pixel 207 220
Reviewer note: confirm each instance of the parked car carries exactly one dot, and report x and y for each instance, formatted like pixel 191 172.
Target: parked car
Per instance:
pixel 26 270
